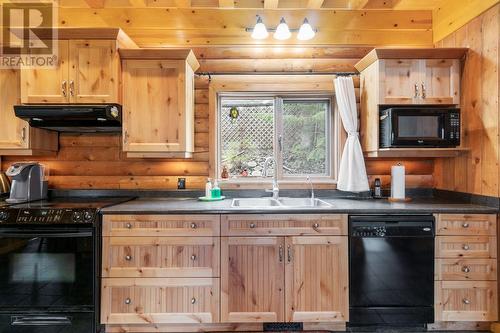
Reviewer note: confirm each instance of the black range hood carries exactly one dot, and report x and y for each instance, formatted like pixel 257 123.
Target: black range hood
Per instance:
pixel 73 118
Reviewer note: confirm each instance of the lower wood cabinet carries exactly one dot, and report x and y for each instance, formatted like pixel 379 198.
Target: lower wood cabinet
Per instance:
pixel 159 300
pixel 275 279
pixel 160 257
pixel 316 279
pixel 466 268
pixel 466 301
pixel 252 279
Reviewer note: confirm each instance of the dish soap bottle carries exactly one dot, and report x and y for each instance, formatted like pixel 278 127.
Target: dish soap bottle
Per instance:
pixel 208 189
pixel 216 194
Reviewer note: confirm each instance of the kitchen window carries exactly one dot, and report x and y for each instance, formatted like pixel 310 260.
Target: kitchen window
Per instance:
pixel 297 131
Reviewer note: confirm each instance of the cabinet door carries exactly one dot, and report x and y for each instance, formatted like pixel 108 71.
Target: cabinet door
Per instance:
pixel 466 301
pixel 47 85
pixel 160 256
pixel 440 81
pixel 94 71
pixel 316 272
pixel 252 281
pixel 399 81
pixel 159 301
pixel 153 107
pixel 13 130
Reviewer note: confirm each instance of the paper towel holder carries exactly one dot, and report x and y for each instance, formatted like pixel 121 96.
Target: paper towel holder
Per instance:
pixel 392 199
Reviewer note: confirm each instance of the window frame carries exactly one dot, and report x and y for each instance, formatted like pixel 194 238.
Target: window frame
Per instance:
pixel 332 131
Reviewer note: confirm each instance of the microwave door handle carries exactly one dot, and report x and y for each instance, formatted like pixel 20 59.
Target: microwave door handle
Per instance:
pixel 442 133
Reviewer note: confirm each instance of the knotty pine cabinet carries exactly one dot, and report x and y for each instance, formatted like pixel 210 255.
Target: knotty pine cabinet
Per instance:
pixel 198 270
pixel 284 276
pixel 466 268
pixel 88 71
pixel 16 136
pixel 158 117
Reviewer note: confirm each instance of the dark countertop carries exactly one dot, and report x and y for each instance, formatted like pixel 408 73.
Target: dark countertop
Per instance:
pixel 348 206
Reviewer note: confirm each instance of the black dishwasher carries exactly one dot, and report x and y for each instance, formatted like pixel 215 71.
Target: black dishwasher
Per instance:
pixel 391 270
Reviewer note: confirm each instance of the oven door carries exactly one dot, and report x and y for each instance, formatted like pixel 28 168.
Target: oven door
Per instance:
pixel 419 128
pixel 46 269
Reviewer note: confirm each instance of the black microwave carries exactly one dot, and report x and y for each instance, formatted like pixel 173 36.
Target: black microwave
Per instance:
pixel 433 127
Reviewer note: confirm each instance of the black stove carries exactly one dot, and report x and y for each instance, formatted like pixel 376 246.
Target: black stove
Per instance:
pixel 65 210
pixel 49 265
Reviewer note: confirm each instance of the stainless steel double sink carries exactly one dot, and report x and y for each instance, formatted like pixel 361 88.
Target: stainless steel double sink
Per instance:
pixel 260 203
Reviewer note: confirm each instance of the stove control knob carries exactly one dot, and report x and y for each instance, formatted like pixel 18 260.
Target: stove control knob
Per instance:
pixel 4 216
pixel 87 216
pixel 77 217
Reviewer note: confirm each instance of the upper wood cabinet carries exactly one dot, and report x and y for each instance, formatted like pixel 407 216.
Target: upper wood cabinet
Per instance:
pixel 88 72
pixel 411 76
pixel 16 136
pixel 158 117
pixel 88 69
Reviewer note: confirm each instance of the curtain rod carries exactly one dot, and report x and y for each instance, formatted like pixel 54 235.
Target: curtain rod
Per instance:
pixel 210 74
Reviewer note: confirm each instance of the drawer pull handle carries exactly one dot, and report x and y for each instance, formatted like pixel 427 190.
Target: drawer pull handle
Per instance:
pixel 289 253
pixel 252 225
pixel 466 269
pixel 193 257
pixel 128 226
pixel 280 253
pixel 315 225
pixel 128 258
pixel 465 225
pixel 465 247
pixel 193 226
pixel 193 300
pixel 466 301
pixel 128 301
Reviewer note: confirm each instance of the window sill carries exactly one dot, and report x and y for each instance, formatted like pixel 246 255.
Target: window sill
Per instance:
pixel 258 184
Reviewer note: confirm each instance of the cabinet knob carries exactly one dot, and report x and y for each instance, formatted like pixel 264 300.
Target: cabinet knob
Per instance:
pixel 465 247
pixel 252 225
pixel 315 225
pixel 128 300
pixel 193 257
pixel 466 269
pixel 128 226
pixel 128 258
pixel 193 226
pixel 193 300
pixel 466 301
pixel 465 225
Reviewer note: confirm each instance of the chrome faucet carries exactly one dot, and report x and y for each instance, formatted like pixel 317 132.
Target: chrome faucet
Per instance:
pixel 312 188
pixel 275 190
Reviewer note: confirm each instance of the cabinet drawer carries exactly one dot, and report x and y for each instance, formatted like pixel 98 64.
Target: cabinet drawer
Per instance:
pixel 160 256
pixel 161 225
pixel 281 225
pixel 466 247
pixel 466 301
pixel 463 224
pixel 466 269
pixel 159 300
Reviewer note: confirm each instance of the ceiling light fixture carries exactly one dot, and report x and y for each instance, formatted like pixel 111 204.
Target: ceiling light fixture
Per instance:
pixel 306 32
pixel 282 31
pixel 260 30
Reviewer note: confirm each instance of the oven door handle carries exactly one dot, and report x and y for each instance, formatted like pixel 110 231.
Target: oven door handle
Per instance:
pixel 41 233
pixel 39 320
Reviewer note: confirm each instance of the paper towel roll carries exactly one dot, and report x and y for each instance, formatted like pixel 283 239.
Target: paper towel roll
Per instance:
pixel 398 181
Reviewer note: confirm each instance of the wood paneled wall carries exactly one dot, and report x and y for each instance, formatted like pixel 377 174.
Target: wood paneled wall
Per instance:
pixel 96 161
pixel 478 171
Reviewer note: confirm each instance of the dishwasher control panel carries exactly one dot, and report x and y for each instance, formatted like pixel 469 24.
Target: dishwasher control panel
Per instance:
pixel 391 226
pixel 375 231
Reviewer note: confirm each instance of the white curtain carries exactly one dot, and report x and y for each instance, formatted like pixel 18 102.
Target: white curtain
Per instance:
pixel 352 173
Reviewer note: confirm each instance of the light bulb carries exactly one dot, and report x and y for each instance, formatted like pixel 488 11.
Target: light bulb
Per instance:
pixel 306 32
pixel 260 30
pixel 282 32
